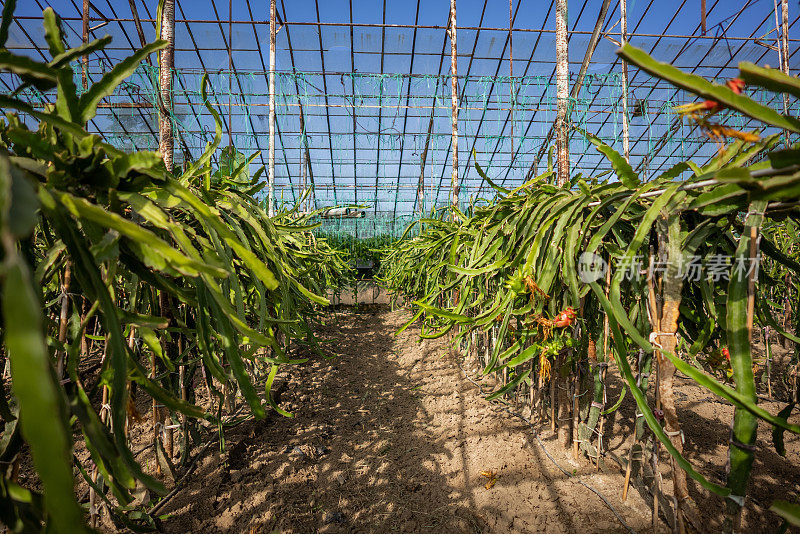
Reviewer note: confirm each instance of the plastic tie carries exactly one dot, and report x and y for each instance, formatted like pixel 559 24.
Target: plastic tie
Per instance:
pixel 674 433
pixel 655 335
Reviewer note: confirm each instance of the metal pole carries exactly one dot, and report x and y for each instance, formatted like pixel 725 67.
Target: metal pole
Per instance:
pixel 623 28
pixel 166 61
pixel 576 88
pixel 702 16
pixel 423 158
pixel 511 73
pixel 454 101
pixel 230 71
pixel 271 195
pixel 562 93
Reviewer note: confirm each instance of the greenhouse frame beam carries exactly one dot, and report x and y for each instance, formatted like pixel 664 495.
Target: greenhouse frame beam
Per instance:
pixel 643 165
pixel 303 132
pixel 408 99
pixel 270 203
pixel 44 57
pixel 232 70
pixel 508 117
pixel 664 139
pixel 463 96
pixel 587 58
pixel 139 29
pixel 491 90
pixel 261 60
pixel 404 26
pixel 542 98
pixel 205 71
pixel 496 120
pixel 652 48
pixel 651 91
pixel 380 113
pixel 327 112
pixel 143 42
pixel 105 54
pixel 440 77
pixel 355 119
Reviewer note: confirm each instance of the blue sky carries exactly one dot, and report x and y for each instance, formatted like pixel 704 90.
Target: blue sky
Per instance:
pixel 393 100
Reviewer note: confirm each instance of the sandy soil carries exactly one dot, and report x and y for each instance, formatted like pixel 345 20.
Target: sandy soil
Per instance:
pixel 389 435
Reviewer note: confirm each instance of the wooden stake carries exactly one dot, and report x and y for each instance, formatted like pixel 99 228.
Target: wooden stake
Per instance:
pixel 575 415
pixel 670 251
pixel 166 62
pixel 562 93
pixel 85 39
pixel 768 356
pixel 602 372
pixel 562 147
pixel 623 28
pixel 63 318
pixel 454 101
pixel 156 413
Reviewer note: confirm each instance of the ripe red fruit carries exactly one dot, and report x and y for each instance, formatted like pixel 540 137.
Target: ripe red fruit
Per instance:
pixel 564 318
pixel 726 353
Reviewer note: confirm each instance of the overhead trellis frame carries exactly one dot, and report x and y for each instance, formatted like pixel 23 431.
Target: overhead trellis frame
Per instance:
pixel 507 117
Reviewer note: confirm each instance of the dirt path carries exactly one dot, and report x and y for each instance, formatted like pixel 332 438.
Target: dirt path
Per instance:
pixel 390 437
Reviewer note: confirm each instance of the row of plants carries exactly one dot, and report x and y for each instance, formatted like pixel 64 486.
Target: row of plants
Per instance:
pixel 365 249
pixel 119 281
pixel 519 286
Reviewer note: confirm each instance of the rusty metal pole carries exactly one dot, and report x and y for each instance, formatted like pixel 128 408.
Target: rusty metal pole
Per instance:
pixel 562 93
pixel 454 101
pixel 702 15
pixel 271 195
pixel 166 62
pixel 623 28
